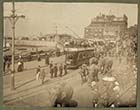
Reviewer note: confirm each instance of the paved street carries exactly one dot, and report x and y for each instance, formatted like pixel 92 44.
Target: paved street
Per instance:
pixel 31 92
pixel 30 70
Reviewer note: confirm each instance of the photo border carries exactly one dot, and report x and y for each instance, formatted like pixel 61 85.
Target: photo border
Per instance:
pixel 4 107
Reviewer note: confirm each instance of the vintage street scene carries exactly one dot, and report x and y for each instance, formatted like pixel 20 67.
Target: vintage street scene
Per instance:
pixel 70 54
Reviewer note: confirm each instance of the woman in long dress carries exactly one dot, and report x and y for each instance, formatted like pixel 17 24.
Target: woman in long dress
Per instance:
pixel 42 76
pixel 38 73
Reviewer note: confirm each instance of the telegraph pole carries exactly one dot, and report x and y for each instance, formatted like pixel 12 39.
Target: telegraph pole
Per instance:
pixel 56 34
pixel 13 19
pixel 56 29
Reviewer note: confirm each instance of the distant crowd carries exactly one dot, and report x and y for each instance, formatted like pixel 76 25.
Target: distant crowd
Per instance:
pixel 55 70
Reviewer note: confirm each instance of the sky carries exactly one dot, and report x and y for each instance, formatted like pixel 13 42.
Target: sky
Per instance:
pixel 43 17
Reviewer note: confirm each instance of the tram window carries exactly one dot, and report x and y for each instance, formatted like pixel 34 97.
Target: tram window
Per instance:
pixel 90 54
pixel 80 57
pixel 87 54
pixel 84 55
pixel 93 54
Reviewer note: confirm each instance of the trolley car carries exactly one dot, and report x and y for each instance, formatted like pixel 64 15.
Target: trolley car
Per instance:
pixel 78 56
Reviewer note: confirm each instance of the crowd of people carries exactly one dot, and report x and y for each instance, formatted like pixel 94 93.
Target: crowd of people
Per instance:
pixel 99 74
pixel 97 65
pixel 90 74
pixel 55 70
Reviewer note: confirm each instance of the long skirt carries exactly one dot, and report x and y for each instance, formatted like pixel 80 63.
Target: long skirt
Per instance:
pixel 37 76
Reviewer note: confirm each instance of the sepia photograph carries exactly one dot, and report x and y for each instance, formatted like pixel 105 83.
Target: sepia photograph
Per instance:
pixel 70 54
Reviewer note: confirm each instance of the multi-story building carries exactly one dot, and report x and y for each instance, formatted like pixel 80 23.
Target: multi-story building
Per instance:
pixel 106 27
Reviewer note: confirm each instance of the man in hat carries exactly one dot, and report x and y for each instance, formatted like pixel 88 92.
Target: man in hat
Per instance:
pixel 93 72
pixel 4 63
pixel 51 69
pixel 65 69
pixel 42 76
pixel 38 57
pixel 38 71
pixel 46 59
pixel 60 70
pixel 8 63
pixel 84 72
pixel 55 69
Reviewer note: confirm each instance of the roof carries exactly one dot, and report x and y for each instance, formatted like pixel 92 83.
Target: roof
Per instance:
pixel 78 49
pixel 106 18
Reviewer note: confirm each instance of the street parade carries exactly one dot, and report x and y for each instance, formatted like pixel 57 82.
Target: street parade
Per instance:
pixel 64 70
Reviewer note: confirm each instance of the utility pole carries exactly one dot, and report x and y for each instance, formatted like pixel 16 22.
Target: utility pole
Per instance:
pixel 56 29
pixel 56 34
pixel 13 18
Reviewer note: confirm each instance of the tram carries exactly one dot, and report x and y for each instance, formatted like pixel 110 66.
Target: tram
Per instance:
pixel 75 57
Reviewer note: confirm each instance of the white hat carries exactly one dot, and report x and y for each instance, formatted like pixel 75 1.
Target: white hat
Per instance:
pixel 116 88
pixel 93 83
pixel 116 83
pixel 113 105
pixel 108 78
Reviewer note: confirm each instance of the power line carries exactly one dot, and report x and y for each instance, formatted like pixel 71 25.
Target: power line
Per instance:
pixel 73 31
pixel 66 27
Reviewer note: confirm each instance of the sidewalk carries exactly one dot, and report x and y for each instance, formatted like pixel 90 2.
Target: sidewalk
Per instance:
pixel 30 70
pixel 34 64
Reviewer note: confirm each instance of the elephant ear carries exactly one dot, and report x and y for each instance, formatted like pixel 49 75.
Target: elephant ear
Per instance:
pixel 63 95
pixel 52 95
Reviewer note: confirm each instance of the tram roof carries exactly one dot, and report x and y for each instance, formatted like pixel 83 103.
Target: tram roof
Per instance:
pixel 78 49
pixel 101 40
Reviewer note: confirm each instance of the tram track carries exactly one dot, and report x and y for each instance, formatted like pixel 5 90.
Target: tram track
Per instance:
pixel 34 90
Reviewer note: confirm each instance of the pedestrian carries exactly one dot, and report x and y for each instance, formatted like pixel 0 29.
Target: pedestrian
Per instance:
pixel 4 63
pixel 8 63
pixel 93 73
pixel 38 73
pixel 20 64
pixel 51 69
pixel 20 57
pixel 55 69
pixel 30 57
pixel 108 66
pixel 9 71
pixel 65 69
pixel 51 64
pixel 19 68
pixel 38 69
pixel 60 70
pixel 46 59
pixel 84 73
pixel 38 57
pixel 42 76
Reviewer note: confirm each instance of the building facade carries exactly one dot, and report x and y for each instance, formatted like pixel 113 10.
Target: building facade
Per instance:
pixel 106 27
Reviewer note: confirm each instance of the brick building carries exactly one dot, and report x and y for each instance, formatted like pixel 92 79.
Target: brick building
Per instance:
pixel 106 27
